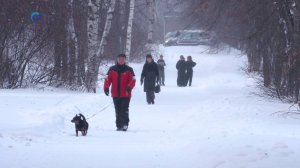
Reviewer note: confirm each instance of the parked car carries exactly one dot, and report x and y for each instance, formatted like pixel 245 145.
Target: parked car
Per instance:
pixel 195 38
pixel 171 38
pixel 190 37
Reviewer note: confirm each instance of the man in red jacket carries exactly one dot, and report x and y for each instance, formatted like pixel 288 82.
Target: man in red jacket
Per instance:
pixel 122 80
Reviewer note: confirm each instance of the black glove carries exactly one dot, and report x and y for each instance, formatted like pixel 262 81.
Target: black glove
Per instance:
pixel 141 82
pixel 106 91
pixel 129 90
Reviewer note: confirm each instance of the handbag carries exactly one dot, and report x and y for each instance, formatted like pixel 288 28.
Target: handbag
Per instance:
pixel 157 89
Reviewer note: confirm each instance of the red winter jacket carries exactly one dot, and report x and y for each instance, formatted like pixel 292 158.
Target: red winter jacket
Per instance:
pixel 122 78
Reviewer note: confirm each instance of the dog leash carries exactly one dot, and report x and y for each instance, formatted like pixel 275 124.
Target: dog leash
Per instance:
pixel 104 108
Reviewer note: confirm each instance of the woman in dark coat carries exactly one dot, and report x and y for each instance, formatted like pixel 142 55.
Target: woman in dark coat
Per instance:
pixel 181 68
pixel 149 77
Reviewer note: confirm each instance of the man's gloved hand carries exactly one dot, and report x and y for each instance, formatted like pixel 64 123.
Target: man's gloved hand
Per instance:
pixel 106 91
pixel 129 89
pixel 141 82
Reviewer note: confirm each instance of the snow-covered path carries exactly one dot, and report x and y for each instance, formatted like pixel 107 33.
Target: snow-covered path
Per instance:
pixel 216 123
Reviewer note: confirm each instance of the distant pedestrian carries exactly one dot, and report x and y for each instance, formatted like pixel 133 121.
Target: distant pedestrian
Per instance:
pixel 181 68
pixel 149 78
pixel 161 69
pixel 121 78
pixel 190 64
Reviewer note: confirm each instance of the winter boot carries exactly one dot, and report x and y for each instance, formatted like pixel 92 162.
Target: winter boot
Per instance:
pixel 125 127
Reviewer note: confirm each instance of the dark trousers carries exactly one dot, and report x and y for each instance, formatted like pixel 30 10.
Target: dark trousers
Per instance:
pixel 189 78
pixel 150 96
pixel 122 111
pixel 161 76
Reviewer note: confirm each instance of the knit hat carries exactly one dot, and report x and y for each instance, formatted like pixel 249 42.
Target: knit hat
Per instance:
pixel 122 55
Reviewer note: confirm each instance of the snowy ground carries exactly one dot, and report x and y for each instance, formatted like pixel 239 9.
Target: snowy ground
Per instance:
pixel 216 123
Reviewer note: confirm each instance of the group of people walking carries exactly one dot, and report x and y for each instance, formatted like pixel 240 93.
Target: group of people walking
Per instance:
pixel 185 71
pixel 122 80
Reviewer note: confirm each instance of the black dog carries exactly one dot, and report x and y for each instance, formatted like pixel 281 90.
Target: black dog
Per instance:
pixel 80 124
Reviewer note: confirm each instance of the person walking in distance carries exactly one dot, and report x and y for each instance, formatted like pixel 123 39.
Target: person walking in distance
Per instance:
pixel 161 69
pixel 121 78
pixel 181 68
pixel 190 64
pixel 149 77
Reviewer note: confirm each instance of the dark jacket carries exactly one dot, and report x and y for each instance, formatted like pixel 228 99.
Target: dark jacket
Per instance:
pixel 149 76
pixel 189 66
pixel 122 79
pixel 181 66
pixel 161 64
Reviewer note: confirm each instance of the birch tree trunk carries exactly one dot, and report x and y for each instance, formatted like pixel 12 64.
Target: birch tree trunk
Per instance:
pixel 151 9
pixel 129 29
pixel 122 37
pixel 93 18
pixel 95 60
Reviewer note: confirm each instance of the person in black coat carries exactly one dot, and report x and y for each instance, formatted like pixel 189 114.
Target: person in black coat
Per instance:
pixel 181 68
pixel 190 64
pixel 149 77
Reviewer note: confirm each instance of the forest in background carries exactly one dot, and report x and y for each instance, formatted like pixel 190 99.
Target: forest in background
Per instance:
pixel 267 31
pixel 76 37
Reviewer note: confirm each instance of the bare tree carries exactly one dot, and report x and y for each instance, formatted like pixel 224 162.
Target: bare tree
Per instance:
pixel 95 60
pixel 72 46
pixel 151 20
pixel 129 28
pixel 93 18
pixel 122 26
pixel 80 18
pixel 60 40
pixel 66 47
